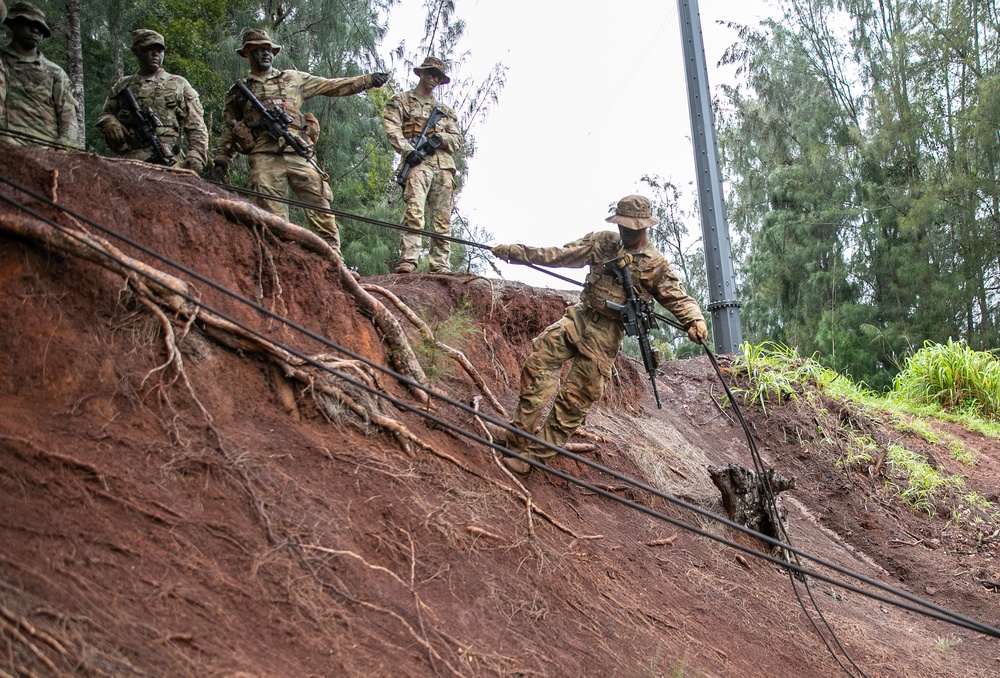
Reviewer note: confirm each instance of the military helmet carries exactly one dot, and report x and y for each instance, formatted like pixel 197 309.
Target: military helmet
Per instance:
pixel 256 36
pixel 144 37
pixel 28 12
pixel 634 212
pixel 434 64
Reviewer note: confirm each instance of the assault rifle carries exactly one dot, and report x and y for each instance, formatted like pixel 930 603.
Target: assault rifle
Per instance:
pixel 422 143
pixel 275 122
pixel 145 122
pixel 637 316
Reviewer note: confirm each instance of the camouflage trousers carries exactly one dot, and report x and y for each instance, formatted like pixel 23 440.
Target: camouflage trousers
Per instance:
pixel 592 342
pixel 434 188
pixel 273 174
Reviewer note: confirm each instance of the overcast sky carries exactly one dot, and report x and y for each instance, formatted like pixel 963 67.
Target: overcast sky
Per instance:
pixel 595 98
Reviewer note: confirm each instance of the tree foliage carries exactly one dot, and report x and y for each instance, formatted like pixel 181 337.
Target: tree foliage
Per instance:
pixel 862 148
pixel 331 38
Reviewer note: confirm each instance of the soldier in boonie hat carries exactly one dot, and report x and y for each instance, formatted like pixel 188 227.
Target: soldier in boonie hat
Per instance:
pixel 144 37
pixel 633 212
pixel 590 333
pixel 25 11
pixel 434 65
pixel 254 37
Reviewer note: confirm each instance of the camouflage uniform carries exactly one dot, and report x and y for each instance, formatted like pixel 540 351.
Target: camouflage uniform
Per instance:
pixel 38 97
pixel 589 334
pixel 273 168
pixel 175 103
pixel 430 183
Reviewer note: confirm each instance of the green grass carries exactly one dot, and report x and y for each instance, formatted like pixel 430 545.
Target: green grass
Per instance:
pixel 923 485
pixel 941 382
pixel 953 376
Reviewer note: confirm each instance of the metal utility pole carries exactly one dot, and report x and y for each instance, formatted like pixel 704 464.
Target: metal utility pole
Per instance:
pixel 723 304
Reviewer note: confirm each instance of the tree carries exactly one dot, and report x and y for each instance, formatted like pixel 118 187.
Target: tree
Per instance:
pixel 865 178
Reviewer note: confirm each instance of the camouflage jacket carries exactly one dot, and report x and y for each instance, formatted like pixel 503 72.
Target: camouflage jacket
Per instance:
pixel 38 100
pixel 284 89
pixel 175 103
pixel 651 274
pixel 406 114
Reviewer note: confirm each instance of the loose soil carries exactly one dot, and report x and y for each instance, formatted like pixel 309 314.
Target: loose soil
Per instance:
pixel 155 526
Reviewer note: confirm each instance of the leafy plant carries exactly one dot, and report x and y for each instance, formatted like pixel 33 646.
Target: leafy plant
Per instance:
pixel 953 376
pixel 923 482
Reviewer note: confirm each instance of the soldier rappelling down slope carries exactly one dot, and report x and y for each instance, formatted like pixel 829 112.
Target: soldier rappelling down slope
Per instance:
pixel 591 333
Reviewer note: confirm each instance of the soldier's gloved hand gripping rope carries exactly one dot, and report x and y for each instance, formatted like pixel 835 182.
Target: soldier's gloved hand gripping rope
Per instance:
pixel 422 147
pixel 637 316
pixel 275 122
pixel 145 123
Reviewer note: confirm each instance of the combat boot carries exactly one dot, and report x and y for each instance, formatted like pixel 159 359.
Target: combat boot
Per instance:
pixel 517 466
pixel 406 267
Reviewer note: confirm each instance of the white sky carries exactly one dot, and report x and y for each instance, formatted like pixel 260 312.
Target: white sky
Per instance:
pixel 595 98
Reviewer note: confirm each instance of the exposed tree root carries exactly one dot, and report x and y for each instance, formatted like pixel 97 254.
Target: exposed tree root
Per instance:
pixel 524 494
pixel 168 292
pixel 401 354
pixel 428 335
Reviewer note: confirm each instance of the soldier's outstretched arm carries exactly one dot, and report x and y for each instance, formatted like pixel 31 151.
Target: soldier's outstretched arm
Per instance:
pixel 314 85
pixel 572 255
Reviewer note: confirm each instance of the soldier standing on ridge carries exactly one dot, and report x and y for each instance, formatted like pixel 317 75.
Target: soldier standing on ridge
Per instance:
pixel 431 181
pixel 171 97
pixel 38 98
pixel 274 165
pixel 589 334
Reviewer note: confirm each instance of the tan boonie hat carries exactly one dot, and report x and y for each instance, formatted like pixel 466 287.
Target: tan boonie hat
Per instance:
pixel 28 12
pixel 434 64
pixel 144 37
pixel 256 36
pixel 634 213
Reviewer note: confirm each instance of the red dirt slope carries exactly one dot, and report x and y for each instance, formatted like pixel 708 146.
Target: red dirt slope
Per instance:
pixel 151 525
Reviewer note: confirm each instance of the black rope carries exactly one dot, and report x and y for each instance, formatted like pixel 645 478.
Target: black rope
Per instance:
pixel 915 604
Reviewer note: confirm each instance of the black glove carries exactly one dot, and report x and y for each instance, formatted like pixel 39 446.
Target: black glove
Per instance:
pixel 219 171
pixel 416 157
pixel 379 79
pixel 434 142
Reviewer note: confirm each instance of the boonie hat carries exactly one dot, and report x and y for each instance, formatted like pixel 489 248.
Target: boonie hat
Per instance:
pixel 433 64
pixel 634 212
pixel 28 12
pixel 144 37
pixel 256 36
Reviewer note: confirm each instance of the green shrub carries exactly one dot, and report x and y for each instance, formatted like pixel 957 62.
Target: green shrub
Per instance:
pixel 953 376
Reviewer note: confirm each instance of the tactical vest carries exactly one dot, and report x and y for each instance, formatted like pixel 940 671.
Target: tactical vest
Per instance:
pixel 417 113
pixel 601 286
pixel 274 93
pixel 163 96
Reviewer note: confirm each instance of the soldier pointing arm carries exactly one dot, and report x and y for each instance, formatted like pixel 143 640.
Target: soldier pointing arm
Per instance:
pixel 589 334
pixel 276 165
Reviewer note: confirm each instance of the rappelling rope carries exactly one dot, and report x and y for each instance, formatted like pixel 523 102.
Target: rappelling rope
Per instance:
pixel 915 604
